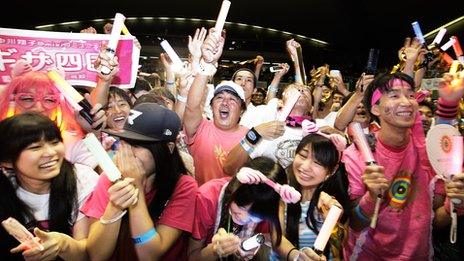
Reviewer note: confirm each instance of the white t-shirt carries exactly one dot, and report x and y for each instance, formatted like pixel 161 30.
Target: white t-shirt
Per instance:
pixel 77 152
pixel 86 179
pixel 256 115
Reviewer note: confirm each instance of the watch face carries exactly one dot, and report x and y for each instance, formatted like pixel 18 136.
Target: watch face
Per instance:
pixel 251 135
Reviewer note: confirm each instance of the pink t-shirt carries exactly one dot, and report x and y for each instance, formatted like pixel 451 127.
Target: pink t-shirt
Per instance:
pixel 177 214
pixel 209 148
pixel 206 210
pixel 404 222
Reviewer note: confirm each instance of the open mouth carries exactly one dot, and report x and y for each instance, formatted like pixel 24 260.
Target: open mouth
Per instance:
pixel 49 164
pixel 224 114
pixel 119 120
pixel 404 114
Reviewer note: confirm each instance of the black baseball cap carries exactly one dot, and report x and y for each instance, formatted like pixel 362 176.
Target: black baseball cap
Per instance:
pixel 149 122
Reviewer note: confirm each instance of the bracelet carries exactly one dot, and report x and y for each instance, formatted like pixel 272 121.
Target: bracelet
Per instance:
pixel 181 98
pixel 272 88
pixel 111 221
pixel 249 149
pixel 360 215
pixel 145 237
pixel 170 83
pixel 253 136
pixel 288 255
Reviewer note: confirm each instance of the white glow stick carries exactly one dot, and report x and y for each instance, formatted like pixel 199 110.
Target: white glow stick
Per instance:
pixel 418 32
pixel 104 160
pixel 293 96
pixel 18 231
pixel 457 155
pixel 327 228
pixel 114 39
pixel 176 61
pixel 439 36
pixel 221 19
pixel 448 44
pixel 253 242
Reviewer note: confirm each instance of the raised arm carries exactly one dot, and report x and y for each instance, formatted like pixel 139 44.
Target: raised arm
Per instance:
pixel 274 86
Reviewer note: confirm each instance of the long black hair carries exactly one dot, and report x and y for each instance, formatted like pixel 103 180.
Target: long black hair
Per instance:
pixel 263 199
pixel 17 133
pixel 336 185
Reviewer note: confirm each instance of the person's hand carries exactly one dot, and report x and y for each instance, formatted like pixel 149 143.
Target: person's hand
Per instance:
pixel 166 62
pixel 259 61
pixel 341 87
pixel 271 130
pixel 89 30
pixel 107 28
pixel 212 47
pixel 128 164
pixel 247 255
pixel 185 82
pixel 363 82
pixel 291 46
pixel 123 194
pixel 51 241
pixel 451 87
pixel 375 181
pixel 455 188
pixel 195 43
pixel 20 67
pixel 326 202
pixel 225 244
pixel 98 117
pixel 285 67
pixel 412 49
pixel 104 60
pixel 307 254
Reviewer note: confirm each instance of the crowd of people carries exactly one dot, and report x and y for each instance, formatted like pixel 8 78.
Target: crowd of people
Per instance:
pixel 197 158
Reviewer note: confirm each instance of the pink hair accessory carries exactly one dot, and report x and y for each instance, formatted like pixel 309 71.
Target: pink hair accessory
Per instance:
pixel 421 95
pixel 375 97
pixel 251 176
pixel 310 127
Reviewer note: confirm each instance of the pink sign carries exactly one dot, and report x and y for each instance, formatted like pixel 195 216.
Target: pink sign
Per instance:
pixel 74 52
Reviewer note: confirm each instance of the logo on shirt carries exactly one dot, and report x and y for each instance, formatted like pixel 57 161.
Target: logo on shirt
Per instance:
pixel 400 190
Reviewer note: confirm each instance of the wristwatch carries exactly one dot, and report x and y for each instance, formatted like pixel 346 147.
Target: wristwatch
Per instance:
pixel 253 136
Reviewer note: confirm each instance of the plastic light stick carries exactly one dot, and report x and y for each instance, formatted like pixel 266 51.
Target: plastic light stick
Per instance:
pixel 18 231
pixel 114 39
pixel 418 32
pixel 327 228
pixel 448 44
pixel 439 36
pixel 253 242
pixel 354 128
pixel 457 46
pixel 221 19
pixel 74 98
pixel 447 58
pixel 299 54
pixel 294 95
pixel 177 62
pixel 104 160
pixel 124 30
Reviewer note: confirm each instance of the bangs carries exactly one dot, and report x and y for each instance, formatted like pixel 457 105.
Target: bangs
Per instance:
pixel 33 80
pixel 386 83
pixel 322 149
pixel 263 199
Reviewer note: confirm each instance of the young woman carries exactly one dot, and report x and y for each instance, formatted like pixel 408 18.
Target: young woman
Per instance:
pixel 41 189
pixel 316 172
pixel 228 212
pixel 160 216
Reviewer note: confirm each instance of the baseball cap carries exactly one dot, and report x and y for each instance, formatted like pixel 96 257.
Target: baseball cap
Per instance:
pixel 149 122
pixel 231 87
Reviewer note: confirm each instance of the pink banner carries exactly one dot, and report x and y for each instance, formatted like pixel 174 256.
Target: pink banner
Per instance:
pixel 74 52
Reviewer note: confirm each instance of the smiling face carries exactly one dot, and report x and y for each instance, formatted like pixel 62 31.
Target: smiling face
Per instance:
pixel 362 116
pixel 397 108
pixel 308 172
pixel 117 112
pixel 42 101
pixel 247 80
pixel 226 109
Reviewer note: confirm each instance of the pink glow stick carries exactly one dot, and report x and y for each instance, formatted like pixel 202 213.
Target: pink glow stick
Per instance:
pixel 293 96
pixel 221 19
pixel 327 228
pixel 18 231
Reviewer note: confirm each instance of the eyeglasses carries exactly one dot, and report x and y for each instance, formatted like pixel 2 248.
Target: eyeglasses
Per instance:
pixel 28 100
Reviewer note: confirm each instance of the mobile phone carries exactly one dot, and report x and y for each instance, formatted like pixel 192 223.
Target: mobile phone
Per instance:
pixel 275 68
pixel 18 231
pixel 372 60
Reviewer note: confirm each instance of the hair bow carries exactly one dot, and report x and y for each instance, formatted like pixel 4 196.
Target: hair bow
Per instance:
pixel 310 127
pixel 251 176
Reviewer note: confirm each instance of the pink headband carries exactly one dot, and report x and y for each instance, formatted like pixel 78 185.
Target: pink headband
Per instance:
pixel 338 140
pixel 251 176
pixel 375 97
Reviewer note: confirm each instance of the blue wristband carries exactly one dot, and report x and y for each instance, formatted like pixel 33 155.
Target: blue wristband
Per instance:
pixel 145 237
pixel 360 215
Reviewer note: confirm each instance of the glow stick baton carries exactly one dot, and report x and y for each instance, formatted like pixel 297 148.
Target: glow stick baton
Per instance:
pixel 439 36
pixel 253 242
pixel 418 32
pixel 104 160
pixel 176 61
pixel 447 58
pixel 327 228
pixel 457 46
pixel 221 19
pixel 75 99
pixel 114 39
pixel 448 44
pixel 455 168
pixel 20 233
pixel 294 95
pixel 355 130
pixel 124 30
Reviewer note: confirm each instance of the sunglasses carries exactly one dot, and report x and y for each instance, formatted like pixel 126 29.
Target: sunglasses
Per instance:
pixel 28 100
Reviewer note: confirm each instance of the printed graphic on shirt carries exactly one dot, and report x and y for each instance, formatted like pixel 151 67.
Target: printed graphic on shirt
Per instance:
pixel 400 190
pixel 285 152
pixel 220 154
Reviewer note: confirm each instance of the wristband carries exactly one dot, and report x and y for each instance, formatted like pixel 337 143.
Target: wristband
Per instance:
pixel 206 69
pixel 111 221
pixel 291 250
pixel 272 88
pixel 253 136
pixel 249 149
pixel 363 218
pixel 170 83
pixel 145 237
pixel 181 98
